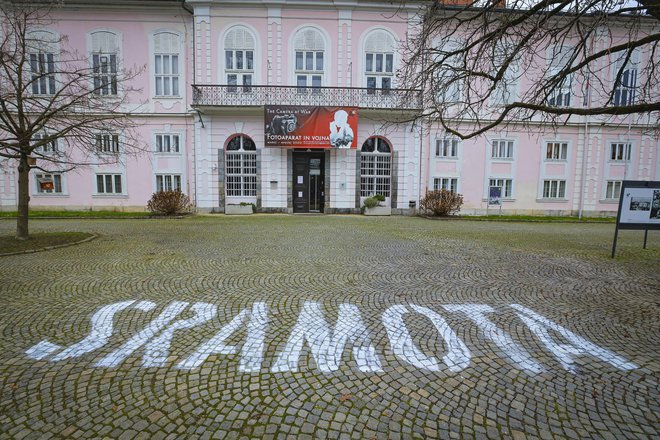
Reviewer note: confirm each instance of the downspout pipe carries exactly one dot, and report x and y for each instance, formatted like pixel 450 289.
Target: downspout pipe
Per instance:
pixel 194 158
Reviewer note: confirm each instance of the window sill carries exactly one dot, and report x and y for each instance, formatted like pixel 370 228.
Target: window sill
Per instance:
pixel 447 158
pixel 552 200
pixel 501 159
pixel 162 153
pixel 110 196
pixel 609 201
pixel 503 199
pixel 168 97
pixel 555 160
pixel 50 196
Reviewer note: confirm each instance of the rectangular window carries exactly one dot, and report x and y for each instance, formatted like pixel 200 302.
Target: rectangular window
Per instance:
pixel 375 174
pixel 105 73
pixel 505 184
pixel 42 66
pixel 502 149
pixel 624 91
pixel 107 143
pixel 167 143
pixel 369 64
pixel 446 148
pixel 241 174
pixel 379 68
pixel 242 60
pixel 167 75
pixel 554 189
pixel 46 181
pixel 613 190
pixel 620 151
pixel 313 61
pixel 108 184
pixel 386 84
pixel 556 151
pixel 50 147
pixel 448 183
pixel 168 182
pixel 561 95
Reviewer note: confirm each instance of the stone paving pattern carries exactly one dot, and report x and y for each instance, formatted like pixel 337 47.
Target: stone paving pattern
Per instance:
pixel 562 271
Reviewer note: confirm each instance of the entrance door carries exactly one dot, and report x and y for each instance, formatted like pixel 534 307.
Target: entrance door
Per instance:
pixel 308 182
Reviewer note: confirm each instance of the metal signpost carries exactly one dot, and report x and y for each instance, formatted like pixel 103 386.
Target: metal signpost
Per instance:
pixel 639 208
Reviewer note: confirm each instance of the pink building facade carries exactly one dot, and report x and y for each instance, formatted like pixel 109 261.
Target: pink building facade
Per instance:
pixel 212 68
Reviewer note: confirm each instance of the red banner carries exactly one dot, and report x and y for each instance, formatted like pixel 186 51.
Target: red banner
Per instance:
pixel 311 127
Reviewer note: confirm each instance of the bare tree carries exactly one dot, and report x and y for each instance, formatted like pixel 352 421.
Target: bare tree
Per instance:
pixel 484 65
pixel 58 109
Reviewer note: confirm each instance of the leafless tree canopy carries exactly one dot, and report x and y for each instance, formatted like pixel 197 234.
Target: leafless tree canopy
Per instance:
pixel 64 108
pixel 484 64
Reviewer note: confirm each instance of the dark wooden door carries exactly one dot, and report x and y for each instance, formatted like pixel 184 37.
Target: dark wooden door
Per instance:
pixel 308 182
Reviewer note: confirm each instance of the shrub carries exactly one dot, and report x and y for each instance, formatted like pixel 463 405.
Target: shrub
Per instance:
pixel 169 203
pixel 373 201
pixel 254 207
pixel 441 202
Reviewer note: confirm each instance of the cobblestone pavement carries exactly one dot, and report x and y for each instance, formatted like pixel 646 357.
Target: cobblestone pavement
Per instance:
pixel 331 327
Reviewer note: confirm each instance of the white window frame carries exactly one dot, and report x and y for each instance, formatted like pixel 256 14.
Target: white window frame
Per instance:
pixel 619 151
pixel 43 77
pixel 111 88
pixel 107 143
pixel 449 183
pixel 169 79
pixel 556 151
pixel 169 182
pixel 305 79
pixel 506 90
pixel 376 170
pixel 233 73
pixel 506 183
pixel 453 93
pixel 51 148
pixel 554 189
pixel 167 143
pixel 109 179
pixel 559 58
pixel 613 189
pixel 239 79
pixel 241 174
pixel 58 181
pixel 447 148
pixel 624 91
pixel 502 149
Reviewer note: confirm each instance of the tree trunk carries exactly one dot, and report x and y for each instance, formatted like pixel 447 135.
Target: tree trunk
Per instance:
pixel 23 198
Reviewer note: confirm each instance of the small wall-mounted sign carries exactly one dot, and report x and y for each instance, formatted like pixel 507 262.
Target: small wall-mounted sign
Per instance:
pixel 46 184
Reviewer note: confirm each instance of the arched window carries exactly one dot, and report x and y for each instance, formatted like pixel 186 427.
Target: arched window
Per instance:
pixel 375 167
pixel 167 47
pixel 241 169
pixel 105 54
pixel 379 60
pixel 309 48
pixel 239 58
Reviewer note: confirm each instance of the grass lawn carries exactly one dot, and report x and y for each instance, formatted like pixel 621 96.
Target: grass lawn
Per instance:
pixel 78 214
pixel 8 243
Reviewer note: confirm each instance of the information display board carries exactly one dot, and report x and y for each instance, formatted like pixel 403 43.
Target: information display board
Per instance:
pixel 639 208
pixel 495 195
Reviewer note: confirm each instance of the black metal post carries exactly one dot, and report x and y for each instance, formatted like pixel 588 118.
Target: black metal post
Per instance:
pixel 646 234
pixel 616 234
